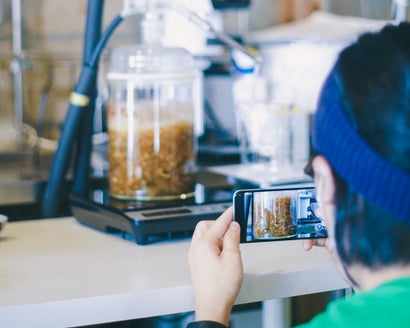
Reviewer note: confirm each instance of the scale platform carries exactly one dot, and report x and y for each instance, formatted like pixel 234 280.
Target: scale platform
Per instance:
pixel 147 222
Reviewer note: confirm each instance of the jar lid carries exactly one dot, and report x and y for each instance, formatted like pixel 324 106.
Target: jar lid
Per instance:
pixel 151 60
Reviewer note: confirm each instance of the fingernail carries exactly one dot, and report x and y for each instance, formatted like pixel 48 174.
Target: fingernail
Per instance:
pixel 234 225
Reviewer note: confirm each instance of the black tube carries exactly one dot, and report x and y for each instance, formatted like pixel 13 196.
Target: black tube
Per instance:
pixel 84 140
pixel 93 28
pixel 56 189
pixel 103 40
pixel 56 181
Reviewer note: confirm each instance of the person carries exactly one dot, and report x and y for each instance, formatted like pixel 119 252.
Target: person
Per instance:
pixel 360 135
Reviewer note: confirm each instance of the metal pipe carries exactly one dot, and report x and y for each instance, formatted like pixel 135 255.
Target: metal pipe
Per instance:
pixel 17 65
pixel 222 36
pixel 17 34
pixel 132 7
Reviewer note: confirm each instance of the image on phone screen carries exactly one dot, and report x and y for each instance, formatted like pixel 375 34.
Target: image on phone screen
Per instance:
pixel 278 214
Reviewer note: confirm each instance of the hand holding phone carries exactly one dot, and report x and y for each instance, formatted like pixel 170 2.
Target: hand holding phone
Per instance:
pixel 278 214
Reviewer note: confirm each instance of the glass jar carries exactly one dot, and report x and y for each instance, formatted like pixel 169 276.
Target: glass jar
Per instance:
pixel 274 215
pixel 154 91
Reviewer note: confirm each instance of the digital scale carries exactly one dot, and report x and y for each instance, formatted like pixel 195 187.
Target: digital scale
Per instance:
pixel 147 222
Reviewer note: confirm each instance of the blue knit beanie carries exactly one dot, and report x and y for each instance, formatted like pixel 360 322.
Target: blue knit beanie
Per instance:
pixel 376 179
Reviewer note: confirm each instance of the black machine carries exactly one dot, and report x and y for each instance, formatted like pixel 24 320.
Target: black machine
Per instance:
pixel 142 222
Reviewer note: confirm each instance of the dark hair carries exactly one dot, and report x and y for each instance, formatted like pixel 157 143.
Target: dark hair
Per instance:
pixel 375 74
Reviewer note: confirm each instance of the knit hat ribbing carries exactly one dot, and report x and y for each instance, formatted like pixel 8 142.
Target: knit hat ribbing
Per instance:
pixel 369 174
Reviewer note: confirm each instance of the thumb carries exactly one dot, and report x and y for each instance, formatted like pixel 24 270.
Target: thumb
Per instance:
pixel 232 238
pixel 221 225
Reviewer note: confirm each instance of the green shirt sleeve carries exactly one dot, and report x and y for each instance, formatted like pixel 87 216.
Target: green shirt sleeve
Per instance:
pixel 384 306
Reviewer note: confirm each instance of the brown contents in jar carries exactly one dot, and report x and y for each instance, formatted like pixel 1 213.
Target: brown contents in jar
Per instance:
pixel 258 226
pixel 152 170
pixel 276 223
pixel 281 225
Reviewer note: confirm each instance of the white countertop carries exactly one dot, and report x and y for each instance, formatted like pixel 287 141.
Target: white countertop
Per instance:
pixel 58 273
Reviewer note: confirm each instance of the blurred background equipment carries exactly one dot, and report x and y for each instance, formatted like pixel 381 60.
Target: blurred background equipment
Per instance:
pixel 44 45
pixel 41 56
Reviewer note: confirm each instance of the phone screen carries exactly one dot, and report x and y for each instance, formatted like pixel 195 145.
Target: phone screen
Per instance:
pixel 278 214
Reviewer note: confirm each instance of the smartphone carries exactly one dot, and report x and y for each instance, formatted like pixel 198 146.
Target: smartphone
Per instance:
pixel 278 214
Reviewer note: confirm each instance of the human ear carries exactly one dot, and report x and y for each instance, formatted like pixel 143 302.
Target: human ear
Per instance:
pixel 324 181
